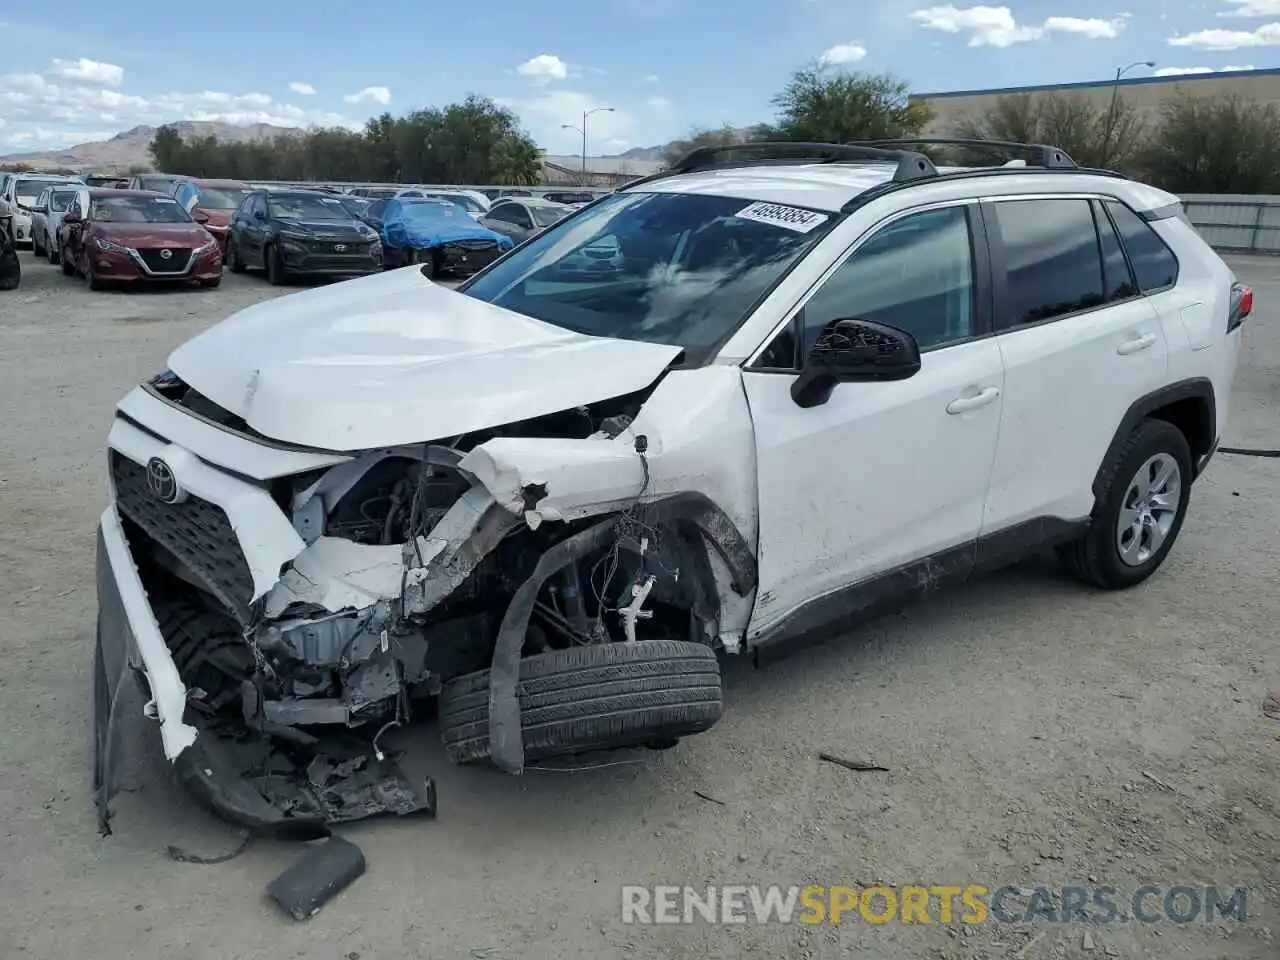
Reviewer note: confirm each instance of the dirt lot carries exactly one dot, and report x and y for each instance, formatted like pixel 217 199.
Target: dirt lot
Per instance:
pixel 1036 733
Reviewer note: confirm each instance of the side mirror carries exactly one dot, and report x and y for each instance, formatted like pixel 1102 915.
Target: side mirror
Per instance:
pixel 855 351
pixel 259 215
pixel 71 216
pixel 199 216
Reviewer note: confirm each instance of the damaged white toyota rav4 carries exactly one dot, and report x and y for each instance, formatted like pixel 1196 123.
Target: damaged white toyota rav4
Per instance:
pixel 740 405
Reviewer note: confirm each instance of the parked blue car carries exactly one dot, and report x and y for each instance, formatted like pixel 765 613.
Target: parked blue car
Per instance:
pixel 436 233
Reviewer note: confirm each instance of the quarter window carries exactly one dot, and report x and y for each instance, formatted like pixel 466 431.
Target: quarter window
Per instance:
pixel 1051 257
pixel 916 274
pixel 1153 262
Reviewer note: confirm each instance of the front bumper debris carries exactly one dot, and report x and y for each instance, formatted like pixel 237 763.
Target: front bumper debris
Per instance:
pixel 291 790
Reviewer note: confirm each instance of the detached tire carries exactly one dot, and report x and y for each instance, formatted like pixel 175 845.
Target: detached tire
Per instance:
pixel 591 698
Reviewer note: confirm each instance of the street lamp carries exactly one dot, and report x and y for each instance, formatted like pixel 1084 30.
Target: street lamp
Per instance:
pixel 583 130
pixel 1115 102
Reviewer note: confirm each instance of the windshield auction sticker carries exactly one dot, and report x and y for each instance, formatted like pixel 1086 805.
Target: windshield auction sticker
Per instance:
pixel 789 218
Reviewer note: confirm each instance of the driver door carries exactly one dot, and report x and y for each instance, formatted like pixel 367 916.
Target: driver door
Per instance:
pixel 878 491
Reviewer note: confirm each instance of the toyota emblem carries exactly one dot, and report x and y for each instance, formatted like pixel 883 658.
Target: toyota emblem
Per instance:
pixel 166 254
pixel 161 481
pixel 339 248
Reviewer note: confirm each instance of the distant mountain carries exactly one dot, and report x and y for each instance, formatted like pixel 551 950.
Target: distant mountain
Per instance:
pixel 130 149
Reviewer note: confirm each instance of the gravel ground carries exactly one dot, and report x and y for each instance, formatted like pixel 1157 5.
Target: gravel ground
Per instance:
pixel 1035 732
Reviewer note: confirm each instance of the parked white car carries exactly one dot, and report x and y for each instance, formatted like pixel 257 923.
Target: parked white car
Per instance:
pixel 20 194
pixel 53 204
pixel 474 202
pixel 800 384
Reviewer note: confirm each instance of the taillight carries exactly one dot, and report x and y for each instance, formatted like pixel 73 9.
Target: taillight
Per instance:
pixel 1241 305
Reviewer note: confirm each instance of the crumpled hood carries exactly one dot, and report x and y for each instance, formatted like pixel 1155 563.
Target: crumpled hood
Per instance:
pixel 327 229
pixel 394 359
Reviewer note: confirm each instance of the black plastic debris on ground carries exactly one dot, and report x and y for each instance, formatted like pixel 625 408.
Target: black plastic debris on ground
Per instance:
pixel 317 877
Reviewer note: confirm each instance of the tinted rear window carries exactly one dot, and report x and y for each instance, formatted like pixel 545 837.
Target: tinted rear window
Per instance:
pixel 1051 255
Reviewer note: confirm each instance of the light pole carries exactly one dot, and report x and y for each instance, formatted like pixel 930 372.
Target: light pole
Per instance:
pixel 583 130
pixel 1115 102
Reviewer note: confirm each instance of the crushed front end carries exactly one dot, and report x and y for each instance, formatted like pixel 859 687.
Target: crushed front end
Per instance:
pixel 285 607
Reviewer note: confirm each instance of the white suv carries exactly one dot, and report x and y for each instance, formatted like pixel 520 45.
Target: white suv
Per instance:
pixel 808 382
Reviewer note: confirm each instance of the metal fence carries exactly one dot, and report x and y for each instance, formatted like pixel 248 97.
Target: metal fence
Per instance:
pixel 1236 224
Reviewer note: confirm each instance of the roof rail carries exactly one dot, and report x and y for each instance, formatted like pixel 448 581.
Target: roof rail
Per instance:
pixel 909 164
pixel 1036 154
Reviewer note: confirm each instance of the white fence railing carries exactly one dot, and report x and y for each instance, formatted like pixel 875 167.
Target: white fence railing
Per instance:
pixel 1236 224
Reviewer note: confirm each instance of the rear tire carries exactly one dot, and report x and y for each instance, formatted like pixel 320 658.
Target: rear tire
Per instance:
pixel 1135 523
pixel 598 697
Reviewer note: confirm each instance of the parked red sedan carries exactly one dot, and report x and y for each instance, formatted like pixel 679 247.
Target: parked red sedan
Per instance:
pixel 133 235
pixel 211 203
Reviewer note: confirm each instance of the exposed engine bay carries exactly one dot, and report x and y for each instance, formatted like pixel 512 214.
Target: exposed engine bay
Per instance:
pixel 422 565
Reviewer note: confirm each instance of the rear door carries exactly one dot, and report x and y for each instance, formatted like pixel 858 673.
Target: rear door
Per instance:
pixel 1080 343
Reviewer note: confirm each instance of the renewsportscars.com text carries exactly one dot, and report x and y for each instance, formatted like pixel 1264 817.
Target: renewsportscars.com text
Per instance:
pixel 970 904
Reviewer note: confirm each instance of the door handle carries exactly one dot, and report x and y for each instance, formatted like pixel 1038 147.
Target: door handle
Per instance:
pixel 965 404
pixel 1136 344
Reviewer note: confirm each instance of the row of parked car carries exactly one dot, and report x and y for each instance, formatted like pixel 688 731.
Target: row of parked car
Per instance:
pixel 164 228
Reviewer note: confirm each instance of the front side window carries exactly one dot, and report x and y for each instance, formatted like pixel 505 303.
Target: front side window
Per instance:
pixel 60 201
pixel 546 216
pixel 1052 263
pixel 1153 262
pixel 915 274
pixel 681 269
pixel 137 210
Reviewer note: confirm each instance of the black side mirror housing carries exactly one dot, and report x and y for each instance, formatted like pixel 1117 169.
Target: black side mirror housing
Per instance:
pixel 855 351
pixel 259 215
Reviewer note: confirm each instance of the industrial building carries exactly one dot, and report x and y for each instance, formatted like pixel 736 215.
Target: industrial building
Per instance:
pixel 1145 94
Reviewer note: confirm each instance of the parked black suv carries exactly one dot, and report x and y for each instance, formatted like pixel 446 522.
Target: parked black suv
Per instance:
pixel 295 232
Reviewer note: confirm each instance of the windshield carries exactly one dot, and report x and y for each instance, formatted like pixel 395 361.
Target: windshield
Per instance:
pixel 61 201
pixel 220 198
pixel 27 190
pixel 546 216
pixel 308 208
pixel 137 210
pixel 683 269
pixel 421 210
pixel 469 204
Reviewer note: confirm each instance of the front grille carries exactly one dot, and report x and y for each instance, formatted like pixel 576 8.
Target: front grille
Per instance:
pixel 339 262
pixel 195 531
pixel 474 244
pixel 176 262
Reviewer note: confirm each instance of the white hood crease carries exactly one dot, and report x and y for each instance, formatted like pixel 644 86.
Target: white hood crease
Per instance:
pixel 394 359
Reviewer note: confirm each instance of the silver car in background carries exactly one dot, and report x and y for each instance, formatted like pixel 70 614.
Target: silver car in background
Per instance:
pixel 20 193
pixel 46 219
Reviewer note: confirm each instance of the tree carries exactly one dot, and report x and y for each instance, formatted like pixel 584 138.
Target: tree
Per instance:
pixel 475 141
pixel 1220 144
pixel 825 106
pixel 1093 136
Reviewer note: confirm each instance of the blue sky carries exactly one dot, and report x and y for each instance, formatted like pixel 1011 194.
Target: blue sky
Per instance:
pixel 78 70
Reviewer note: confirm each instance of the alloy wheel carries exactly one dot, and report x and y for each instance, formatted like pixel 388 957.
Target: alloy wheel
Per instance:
pixel 1148 510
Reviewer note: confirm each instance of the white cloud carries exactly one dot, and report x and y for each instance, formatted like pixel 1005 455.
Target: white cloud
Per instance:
pixel 843 53
pixel 543 115
pixel 1252 8
pixel 997 27
pixel 1092 28
pixel 380 95
pixel 40 111
pixel 89 71
pixel 1267 35
pixel 305 89
pixel 543 69
pixel 1193 71
pixel 658 103
pixel 650 78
